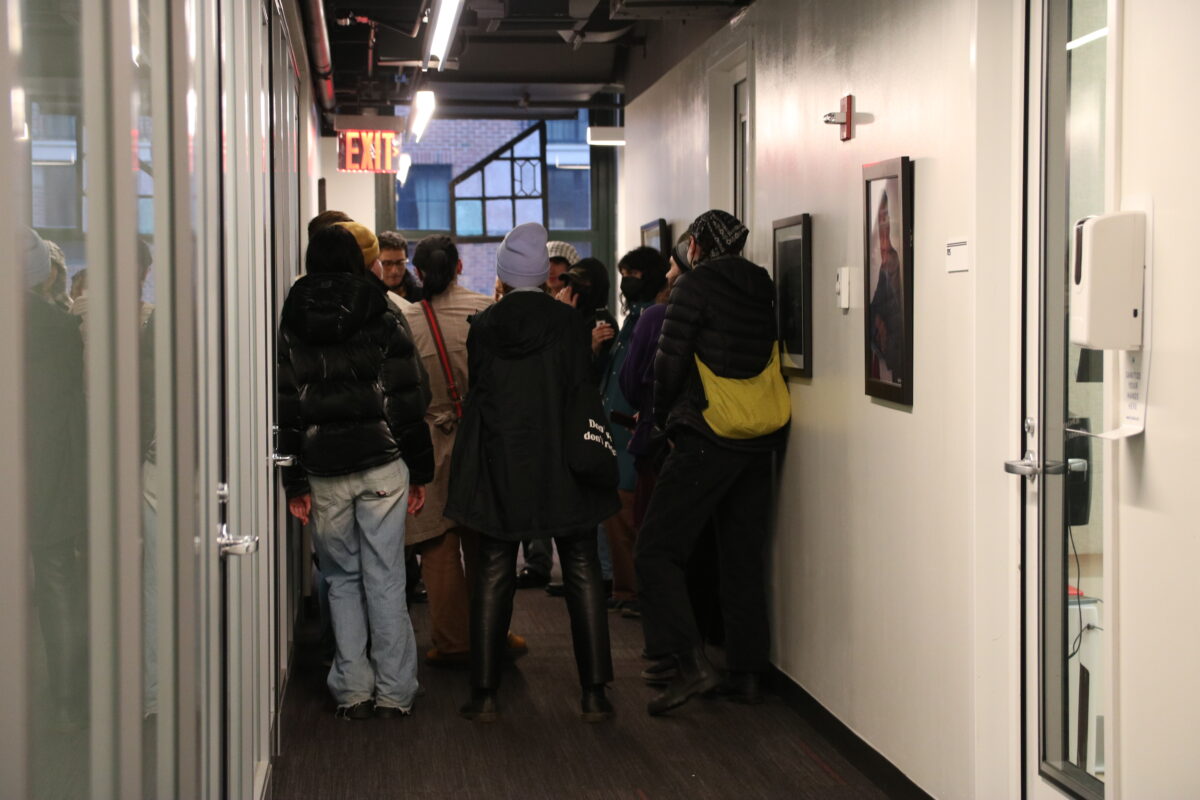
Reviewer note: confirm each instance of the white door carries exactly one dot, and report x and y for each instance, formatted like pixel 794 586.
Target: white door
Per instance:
pixel 1068 573
pixel 245 369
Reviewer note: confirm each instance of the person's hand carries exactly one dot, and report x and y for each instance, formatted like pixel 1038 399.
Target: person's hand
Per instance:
pixel 300 507
pixel 601 334
pixel 416 499
pixel 567 295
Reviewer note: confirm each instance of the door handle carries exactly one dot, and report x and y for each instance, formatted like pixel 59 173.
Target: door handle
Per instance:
pixel 1027 467
pixel 280 460
pixel 1063 467
pixel 230 545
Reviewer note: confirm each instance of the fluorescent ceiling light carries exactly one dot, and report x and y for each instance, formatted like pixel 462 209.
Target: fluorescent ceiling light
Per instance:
pixel 423 105
pixel 1091 37
pixel 404 166
pixel 444 22
pixel 608 136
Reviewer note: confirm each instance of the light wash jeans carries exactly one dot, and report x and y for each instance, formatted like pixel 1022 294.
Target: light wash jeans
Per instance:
pixel 358 528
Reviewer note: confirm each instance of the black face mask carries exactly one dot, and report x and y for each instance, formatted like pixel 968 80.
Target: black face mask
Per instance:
pixel 631 287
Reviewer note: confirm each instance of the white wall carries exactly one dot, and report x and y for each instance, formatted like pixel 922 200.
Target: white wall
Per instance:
pixel 895 525
pixel 1158 535
pixel 353 193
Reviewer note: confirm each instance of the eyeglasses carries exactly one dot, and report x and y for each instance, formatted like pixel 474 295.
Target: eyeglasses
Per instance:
pixel 402 262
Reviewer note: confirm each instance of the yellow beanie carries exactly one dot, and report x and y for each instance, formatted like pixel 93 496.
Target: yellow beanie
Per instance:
pixel 366 241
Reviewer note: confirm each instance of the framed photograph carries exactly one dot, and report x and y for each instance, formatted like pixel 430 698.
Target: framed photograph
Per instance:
pixel 888 268
pixel 657 234
pixel 793 293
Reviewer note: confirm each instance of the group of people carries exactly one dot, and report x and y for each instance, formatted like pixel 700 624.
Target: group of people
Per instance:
pixel 461 426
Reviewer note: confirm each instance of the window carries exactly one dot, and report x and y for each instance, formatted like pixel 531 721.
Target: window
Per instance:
pixel 56 170
pixel 567 130
pixel 506 189
pixel 741 148
pixel 423 202
pixel 570 198
pixel 569 162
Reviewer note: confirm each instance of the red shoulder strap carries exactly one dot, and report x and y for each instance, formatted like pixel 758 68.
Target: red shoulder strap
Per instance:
pixel 443 356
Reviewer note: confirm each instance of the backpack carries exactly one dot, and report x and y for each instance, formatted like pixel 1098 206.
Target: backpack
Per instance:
pixel 746 408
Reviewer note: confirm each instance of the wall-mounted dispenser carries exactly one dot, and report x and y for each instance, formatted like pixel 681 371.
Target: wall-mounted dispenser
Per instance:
pixel 1107 279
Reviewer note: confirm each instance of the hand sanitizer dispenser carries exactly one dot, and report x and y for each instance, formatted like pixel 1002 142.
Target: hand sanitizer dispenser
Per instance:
pixel 1107 277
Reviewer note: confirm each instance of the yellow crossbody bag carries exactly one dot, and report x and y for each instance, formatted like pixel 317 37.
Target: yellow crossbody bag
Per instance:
pixel 745 408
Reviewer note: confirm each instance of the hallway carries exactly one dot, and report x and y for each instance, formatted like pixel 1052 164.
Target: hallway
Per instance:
pixel 539 749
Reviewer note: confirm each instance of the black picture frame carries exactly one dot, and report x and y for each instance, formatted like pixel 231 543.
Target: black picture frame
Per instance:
pixel 657 234
pixel 888 308
pixel 791 239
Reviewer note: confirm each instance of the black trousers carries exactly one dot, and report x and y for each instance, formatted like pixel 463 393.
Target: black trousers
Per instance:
pixel 60 594
pixel 703 482
pixel 492 603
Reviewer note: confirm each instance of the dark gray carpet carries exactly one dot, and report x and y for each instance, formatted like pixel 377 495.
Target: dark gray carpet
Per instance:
pixel 540 749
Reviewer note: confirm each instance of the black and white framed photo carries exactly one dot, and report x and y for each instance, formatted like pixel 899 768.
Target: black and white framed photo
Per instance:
pixel 888 267
pixel 793 293
pixel 657 234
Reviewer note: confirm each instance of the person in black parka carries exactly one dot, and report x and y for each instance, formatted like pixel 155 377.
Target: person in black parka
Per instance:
pixel 352 410
pixel 722 312
pixel 509 475
pixel 56 479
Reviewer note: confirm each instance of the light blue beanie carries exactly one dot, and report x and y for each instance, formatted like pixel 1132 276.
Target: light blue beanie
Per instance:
pixel 522 261
pixel 37 259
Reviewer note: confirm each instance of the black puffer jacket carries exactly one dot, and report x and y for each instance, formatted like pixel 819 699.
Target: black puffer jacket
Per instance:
pixel 509 476
pixel 56 453
pixel 724 312
pixel 350 395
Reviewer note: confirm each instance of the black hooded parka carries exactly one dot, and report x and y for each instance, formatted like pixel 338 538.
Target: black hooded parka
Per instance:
pixel 509 476
pixel 350 395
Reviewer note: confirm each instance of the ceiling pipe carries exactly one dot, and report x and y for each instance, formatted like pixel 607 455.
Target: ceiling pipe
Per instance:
pixel 322 59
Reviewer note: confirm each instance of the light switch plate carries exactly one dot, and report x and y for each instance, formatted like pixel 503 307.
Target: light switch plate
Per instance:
pixel 843 287
pixel 958 256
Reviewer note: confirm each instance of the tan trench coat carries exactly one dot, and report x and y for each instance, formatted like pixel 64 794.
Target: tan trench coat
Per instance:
pixel 452 308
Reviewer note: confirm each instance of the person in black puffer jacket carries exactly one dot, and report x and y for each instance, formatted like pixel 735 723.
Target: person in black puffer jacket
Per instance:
pixel 352 410
pixel 723 312
pixel 509 476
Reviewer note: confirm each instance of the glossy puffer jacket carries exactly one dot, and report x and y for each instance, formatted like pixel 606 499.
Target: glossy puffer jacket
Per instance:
pixel 724 312
pixel 350 395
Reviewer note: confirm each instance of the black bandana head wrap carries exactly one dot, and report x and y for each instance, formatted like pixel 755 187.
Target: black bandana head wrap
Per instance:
pixel 719 233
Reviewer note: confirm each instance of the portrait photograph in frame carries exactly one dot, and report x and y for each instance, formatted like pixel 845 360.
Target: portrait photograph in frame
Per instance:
pixel 657 234
pixel 792 248
pixel 888 284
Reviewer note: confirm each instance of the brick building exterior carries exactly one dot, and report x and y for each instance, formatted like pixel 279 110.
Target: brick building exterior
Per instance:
pixel 462 144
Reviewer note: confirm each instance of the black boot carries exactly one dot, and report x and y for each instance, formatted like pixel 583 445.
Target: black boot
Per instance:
pixel 742 687
pixel 594 704
pixel 660 672
pixel 696 676
pixel 481 707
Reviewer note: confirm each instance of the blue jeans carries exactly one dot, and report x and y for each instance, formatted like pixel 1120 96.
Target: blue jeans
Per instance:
pixel 358 528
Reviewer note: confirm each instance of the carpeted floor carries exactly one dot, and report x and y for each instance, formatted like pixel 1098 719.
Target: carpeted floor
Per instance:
pixel 540 749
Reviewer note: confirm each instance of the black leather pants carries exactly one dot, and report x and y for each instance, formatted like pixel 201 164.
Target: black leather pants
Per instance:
pixel 492 602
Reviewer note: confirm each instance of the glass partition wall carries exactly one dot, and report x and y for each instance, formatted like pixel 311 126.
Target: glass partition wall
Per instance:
pixel 144 655
pixel 88 218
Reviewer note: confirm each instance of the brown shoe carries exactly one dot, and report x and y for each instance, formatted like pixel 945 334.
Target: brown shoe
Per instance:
pixel 517 646
pixel 436 658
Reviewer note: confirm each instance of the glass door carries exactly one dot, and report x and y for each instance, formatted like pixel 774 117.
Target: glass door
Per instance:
pixel 97 401
pixel 1067 677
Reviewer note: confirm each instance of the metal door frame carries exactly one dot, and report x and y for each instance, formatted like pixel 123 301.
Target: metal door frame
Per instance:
pixel 1037 784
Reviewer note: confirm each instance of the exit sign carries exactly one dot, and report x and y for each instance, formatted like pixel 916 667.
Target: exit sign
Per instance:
pixel 368 151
